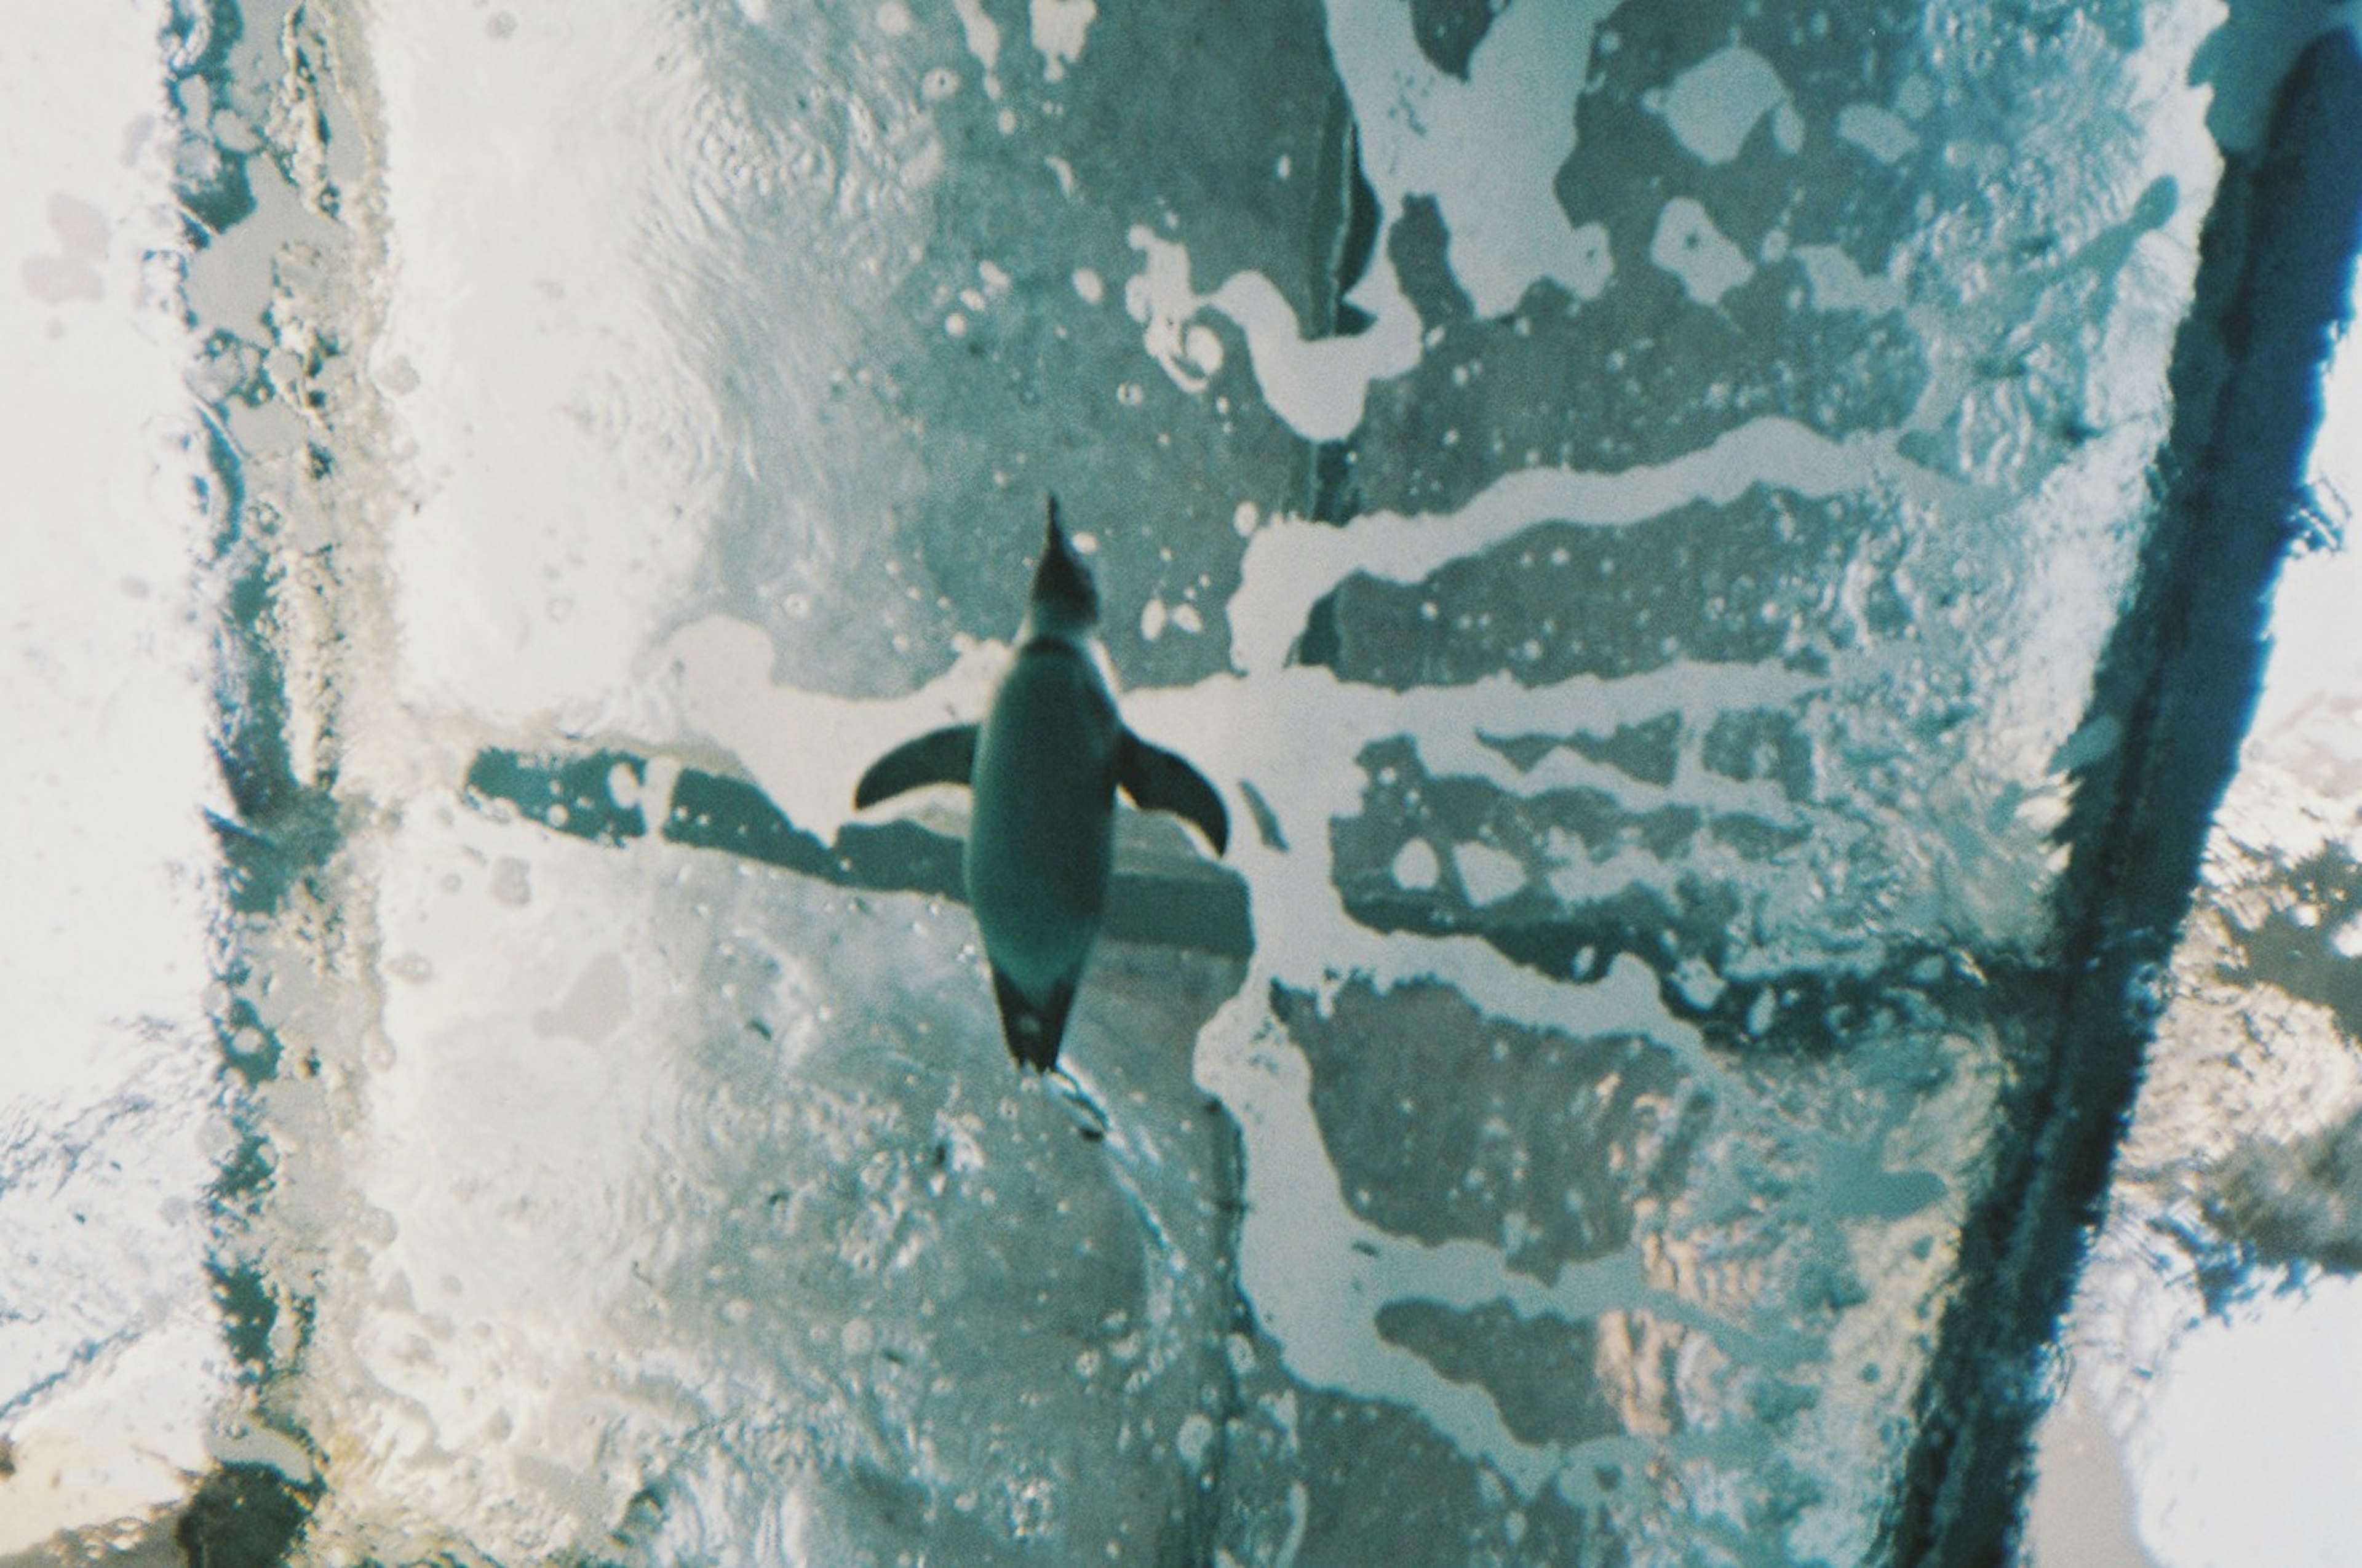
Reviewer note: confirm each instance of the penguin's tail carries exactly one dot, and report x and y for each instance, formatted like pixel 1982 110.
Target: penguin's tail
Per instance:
pixel 1032 1030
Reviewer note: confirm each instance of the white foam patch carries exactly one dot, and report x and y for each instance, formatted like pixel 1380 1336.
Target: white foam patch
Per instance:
pixel 1416 866
pixel 1487 150
pixel 1712 106
pixel 806 749
pixel 1317 385
pixel 2306 736
pixel 1318 1274
pixel 525 1109
pixel 551 521
pixel 1837 284
pixel 983 36
pixel 1290 562
pixel 1691 247
pixel 119 1437
pixel 1488 874
pixel 1059 28
pixel 1881 135
pixel 2226 1476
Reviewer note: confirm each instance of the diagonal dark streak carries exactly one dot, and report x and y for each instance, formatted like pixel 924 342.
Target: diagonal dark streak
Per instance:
pixel 2178 682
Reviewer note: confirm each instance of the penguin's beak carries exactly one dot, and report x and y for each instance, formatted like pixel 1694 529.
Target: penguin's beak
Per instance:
pixel 1062 583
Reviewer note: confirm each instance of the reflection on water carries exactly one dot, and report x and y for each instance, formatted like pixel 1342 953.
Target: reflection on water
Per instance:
pixel 1626 500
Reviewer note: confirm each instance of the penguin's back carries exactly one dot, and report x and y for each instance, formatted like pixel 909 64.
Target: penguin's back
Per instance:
pixel 1041 842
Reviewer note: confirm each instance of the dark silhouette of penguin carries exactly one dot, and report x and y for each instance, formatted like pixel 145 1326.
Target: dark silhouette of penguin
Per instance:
pixel 1045 766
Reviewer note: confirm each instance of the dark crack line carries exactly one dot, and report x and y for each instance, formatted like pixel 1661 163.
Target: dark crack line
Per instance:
pixel 2180 675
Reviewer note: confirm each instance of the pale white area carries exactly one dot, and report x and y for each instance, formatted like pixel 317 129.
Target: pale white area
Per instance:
pixel 2307 735
pixel 1313 1255
pixel 1487 150
pixel 103 732
pixel 2246 1454
pixel 1712 106
pixel 2308 723
pixel 1838 284
pixel 1319 385
pixel 111 1360
pixel 1059 29
pixel 124 1438
pixel 1202 347
pixel 553 445
pixel 1416 866
pixel 494 1359
pixel 806 748
pixel 983 35
pixel 1876 132
pixel 2083 1515
pixel 2346 940
pixel 1488 874
pixel 1156 617
pixel 1687 245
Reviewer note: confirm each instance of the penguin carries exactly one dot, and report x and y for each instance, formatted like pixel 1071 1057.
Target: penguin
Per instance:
pixel 1045 766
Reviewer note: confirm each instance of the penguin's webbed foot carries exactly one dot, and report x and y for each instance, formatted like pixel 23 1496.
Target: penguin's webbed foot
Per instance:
pixel 1033 1031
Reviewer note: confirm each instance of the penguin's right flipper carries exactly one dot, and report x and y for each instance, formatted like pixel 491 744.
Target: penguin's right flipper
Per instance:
pixel 1033 1033
pixel 1159 781
pixel 940 757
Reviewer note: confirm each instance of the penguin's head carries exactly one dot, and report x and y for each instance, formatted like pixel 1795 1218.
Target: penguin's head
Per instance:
pixel 1064 604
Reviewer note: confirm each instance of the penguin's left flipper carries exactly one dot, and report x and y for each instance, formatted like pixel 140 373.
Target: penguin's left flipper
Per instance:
pixel 1157 781
pixel 940 757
